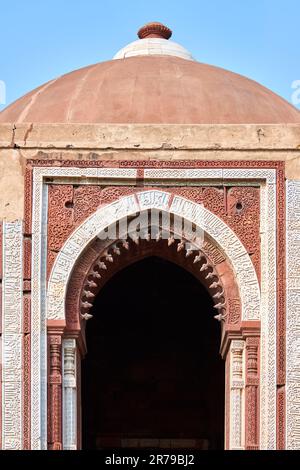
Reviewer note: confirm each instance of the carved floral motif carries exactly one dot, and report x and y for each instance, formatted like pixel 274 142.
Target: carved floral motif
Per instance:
pixel 234 311
pixel 60 215
pixel 267 423
pixel 222 202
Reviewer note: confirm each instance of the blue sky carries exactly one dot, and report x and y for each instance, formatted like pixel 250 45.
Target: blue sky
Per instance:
pixel 40 40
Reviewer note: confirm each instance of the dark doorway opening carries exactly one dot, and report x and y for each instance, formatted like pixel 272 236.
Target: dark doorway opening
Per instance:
pixel 153 376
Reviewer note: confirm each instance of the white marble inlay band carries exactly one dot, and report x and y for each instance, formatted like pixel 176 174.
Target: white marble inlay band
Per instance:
pixel 39 294
pixel 12 338
pixel 69 395
pixel 293 316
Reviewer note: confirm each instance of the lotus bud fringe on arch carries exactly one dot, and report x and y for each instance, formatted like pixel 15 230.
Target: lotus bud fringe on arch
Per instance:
pixel 116 249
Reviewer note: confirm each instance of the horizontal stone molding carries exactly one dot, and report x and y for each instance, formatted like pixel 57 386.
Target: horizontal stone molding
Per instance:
pixel 150 136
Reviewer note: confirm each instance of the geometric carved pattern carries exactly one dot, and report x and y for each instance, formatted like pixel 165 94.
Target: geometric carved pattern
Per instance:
pixel 12 431
pixel 237 206
pixel 237 384
pixel 39 293
pixel 28 201
pixel 69 395
pixel 231 246
pixel 234 307
pixel 281 309
pixel 60 216
pixel 127 206
pixel 268 318
pixel 293 316
pixel 252 382
pixel 243 215
pixel 55 391
pixel 245 171
pixel 71 205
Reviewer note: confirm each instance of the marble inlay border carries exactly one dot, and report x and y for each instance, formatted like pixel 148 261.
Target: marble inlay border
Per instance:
pixel 293 316
pixel 12 337
pixel 264 177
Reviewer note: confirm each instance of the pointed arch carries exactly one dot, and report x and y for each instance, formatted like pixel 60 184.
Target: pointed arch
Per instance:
pixel 128 206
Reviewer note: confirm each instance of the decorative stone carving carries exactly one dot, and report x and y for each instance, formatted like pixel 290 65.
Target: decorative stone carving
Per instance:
pixel 112 193
pixel 243 212
pixel 95 277
pixel 55 393
pixel 153 200
pixel 237 384
pixel 60 215
pixel 234 311
pixel 28 201
pixel 26 396
pixel 126 206
pixel 268 316
pixel 12 339
pixel 252 383
pixel 227 402
pixel 86 200
pixel 69 395
pixel 222 202
pixel 293 315
pixel 253 171
pixel 1 250
pixel 27 259
pixel 281 289
pixel 281 310
pixel 281 418
pixel 230 245
pixel 181 173
pixel 213 252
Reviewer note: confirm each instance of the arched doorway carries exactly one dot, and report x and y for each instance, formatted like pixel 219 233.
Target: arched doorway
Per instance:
pixel 153 375
pixel 87 263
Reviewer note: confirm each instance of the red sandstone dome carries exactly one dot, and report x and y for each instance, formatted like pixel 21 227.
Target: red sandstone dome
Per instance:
pixel 152 80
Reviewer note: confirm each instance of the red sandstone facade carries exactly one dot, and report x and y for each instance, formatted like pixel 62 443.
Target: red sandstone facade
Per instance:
pixel 244 263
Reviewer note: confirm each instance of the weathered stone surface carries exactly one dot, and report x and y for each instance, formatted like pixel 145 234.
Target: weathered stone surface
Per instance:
pixel 11 185
pixel 114 143
pixel 153 136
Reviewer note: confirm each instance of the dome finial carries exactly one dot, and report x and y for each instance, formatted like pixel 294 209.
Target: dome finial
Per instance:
pixel 154 30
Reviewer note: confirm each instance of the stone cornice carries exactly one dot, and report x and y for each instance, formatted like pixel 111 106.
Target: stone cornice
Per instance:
pixel 150 137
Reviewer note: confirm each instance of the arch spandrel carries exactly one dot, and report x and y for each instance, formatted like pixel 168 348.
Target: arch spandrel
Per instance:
pixel 128 206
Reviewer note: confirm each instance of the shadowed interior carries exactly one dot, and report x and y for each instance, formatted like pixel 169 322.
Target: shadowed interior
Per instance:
pixel 153 376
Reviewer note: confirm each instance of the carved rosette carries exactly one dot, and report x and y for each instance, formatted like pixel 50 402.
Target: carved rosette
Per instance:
pixel 69 395
pixel 237 385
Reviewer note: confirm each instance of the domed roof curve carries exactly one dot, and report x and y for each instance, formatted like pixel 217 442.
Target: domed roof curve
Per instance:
pixel 156 81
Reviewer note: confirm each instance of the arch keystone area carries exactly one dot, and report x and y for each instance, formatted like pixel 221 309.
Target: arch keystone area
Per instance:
pixel 130 205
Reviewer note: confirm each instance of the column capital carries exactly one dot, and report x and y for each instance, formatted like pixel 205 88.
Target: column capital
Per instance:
pixel 56 327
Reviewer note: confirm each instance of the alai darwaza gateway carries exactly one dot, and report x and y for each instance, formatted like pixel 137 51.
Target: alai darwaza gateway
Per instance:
pixel 150 258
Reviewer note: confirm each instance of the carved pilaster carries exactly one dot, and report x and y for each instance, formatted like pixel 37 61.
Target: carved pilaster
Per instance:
pixel 237 385
pixel 69 395
pixel 55 391
pixel 252 397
